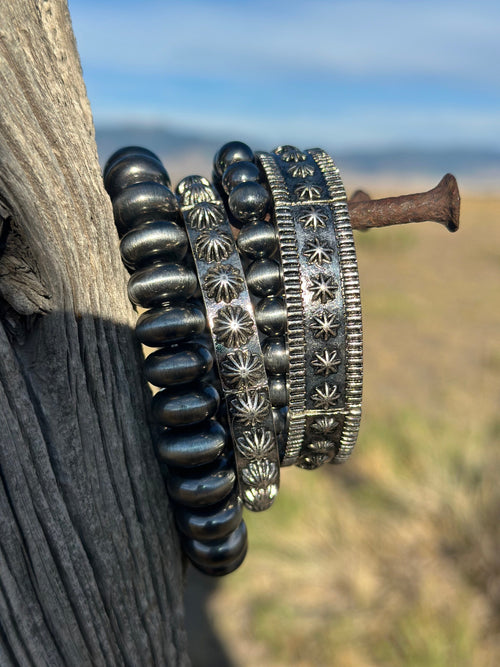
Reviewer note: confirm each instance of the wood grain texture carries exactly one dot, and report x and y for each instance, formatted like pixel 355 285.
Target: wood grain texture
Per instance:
pixel 90 568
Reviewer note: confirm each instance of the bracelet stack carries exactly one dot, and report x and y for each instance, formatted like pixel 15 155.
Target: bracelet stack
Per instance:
pixel 252 292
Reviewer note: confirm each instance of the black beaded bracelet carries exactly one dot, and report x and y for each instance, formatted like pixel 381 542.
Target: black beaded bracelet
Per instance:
pixel 192 445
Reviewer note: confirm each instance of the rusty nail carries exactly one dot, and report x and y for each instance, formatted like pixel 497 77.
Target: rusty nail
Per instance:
pixel 441 204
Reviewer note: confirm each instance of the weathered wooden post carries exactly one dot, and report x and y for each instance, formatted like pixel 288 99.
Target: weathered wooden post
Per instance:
pixel 90 570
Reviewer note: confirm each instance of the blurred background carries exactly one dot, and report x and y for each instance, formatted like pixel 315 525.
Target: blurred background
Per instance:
pixel 393 558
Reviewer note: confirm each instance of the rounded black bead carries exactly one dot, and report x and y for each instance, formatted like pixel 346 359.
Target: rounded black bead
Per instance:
pixel 185 406
pixel 249 201
pixel 159 326
pixel 278 391
pixel 264 277
pixel 183 363
pixel 212 523
pixel 279 419
pixel 144 202
pixel 152 241
pixel 223 570
pixel 203 486
pixel 132 169
pixel 271 316
pixel 257 240
pixel 192 446
pixel 215 556
pixel 239 172
pixel 126 151
pixel 233 151
pixel 275 353
pixel 161 283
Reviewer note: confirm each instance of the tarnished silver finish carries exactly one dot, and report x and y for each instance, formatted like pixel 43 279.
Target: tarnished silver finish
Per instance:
pixel 321 292
pixel 237 349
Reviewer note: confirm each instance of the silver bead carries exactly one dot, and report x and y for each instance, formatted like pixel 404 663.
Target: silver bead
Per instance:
pixel 158 240
pixel 202 486
pixel 212 523
pixel 184 406
pixel 192 446
pixel 159 326
pixel 131 169
pixel 270 315
pixel 257 240
pixel 264 277
pixel 275 353
pixel 161 283
pixel 144 202
pixel 278 391
pixel 219 556
pixel 183 363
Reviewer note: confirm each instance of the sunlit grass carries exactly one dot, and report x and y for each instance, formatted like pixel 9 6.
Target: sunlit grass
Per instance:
pixel 394 558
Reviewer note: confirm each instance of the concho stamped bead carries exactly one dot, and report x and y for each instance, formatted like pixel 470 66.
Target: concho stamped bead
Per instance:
pixel 237 349
pixel 321 292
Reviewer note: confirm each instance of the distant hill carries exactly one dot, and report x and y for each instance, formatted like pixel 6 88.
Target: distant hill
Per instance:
pixel 186 153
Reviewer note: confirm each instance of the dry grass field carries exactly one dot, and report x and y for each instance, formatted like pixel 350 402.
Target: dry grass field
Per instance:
pixel 394 558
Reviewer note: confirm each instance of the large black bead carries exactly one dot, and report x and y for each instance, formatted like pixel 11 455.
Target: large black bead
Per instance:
pixel 152 241
pixel 239 172
pixel 200 487
pixel 160 326
pixel 192 446
pixel 161 283
pixel 276 357
pixel 126 151
pixel 233 151
pixel 278 391
pixel 184 406
pixel 264 277
pixel 212 523
pixel 257 240
pixel 183 363
pixel 270 315
pixel 249 201
pixel 214 556
pixel 132 169
pixel 144 202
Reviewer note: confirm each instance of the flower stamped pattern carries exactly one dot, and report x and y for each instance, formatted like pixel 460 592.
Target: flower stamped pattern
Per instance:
pixel 223 282
pixel 233 326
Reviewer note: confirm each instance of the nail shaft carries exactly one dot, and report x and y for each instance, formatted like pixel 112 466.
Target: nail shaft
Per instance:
pixel 441 204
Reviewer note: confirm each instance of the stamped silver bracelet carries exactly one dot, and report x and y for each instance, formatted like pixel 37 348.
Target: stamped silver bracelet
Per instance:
pixel 323 307
pixel 237 349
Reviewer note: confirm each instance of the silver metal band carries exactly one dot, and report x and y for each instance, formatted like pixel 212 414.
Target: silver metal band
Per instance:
pixel 322 298
pixel 237 349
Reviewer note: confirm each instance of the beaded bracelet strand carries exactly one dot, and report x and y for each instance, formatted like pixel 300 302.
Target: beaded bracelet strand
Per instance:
pixel 191 445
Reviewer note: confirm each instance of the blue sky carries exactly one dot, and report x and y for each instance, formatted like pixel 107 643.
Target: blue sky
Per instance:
pixel 351 73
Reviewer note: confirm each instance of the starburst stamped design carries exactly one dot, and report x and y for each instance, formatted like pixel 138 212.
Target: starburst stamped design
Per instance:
pixel 212 245
pixel 250 408
pixel 324 426
pixel 326 362
pixel 312 461
pixel 325 396
pixel 323 288
pixel 290 154
pixel 260 499
pixel 317 251
pixel 195 189
pixel 256 444
pixel 206 215
pixel 300 170
pixel 308 192
pixel 223 283
pixel 325 325
pixel 260 474
pixel 241 369
pixel 233 326
pixel 322 447
pixel 313 218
